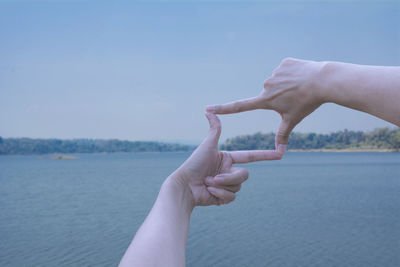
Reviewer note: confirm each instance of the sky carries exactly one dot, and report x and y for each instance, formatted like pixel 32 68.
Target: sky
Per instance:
pixel 145 70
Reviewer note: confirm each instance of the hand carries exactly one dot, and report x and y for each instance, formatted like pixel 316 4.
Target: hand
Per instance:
pixel 209 173
pixel 207 177
pixel 291 91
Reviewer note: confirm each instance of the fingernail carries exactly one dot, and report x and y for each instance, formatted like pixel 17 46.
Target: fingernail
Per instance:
pixel 211 109
pixel 282 148
pixel 209 180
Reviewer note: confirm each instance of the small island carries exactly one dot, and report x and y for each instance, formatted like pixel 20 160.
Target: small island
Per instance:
pixel 63 157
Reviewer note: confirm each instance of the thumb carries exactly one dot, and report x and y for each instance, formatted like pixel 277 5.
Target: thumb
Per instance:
pixel 215 128
pixel 282 135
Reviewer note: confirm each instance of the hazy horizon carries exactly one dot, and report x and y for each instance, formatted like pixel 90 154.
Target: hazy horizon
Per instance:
pixel 145 71
pixel 172 141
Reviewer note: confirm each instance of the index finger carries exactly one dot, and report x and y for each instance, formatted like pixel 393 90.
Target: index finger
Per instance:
pixel 237 106
pixel 247 156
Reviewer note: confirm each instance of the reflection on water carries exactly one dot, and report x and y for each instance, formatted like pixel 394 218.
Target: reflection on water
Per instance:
pixel 310 209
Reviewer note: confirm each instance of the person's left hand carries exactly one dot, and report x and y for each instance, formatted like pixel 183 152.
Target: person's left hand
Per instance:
pixel 209 173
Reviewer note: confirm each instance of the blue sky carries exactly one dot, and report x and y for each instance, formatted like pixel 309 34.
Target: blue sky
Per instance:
pixel 146 70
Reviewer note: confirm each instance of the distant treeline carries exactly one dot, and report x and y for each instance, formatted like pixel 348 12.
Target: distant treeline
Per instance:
pixel 382 138
pixel 10 146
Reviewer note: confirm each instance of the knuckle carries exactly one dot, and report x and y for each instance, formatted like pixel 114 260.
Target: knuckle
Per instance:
pixel 215 130
pixel 225 195
pixel 228 196
pixel 238 188
pixel 246 174
pixel 271 83
pixel 251 157
pixel 283 134
pixel 268 83
pixel 284 139
pixel 287 61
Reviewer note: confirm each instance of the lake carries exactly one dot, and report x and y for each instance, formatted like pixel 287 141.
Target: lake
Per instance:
pixel 309 209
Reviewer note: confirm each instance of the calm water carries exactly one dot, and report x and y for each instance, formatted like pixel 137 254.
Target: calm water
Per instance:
pixel 310 209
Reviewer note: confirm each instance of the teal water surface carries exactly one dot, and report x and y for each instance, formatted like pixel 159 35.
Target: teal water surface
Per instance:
pixel 309 209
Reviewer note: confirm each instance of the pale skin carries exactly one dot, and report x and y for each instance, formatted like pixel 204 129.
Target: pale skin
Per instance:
pixel 298 87
pixel 207 177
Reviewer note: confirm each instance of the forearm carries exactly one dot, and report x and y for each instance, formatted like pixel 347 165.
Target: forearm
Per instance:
pixel 371 89
pixel 161 240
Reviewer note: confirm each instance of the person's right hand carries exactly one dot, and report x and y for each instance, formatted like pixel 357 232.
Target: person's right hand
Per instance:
pixel 209 175
pixel 291 91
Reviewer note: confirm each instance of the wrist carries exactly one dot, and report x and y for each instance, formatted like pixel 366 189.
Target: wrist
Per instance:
pixel 177 186
pixel 326 88
pixel 318 81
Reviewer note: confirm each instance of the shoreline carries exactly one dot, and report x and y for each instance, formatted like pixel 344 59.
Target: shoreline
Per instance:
pixel 344 150
pixel 56 155
pixel 74 155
